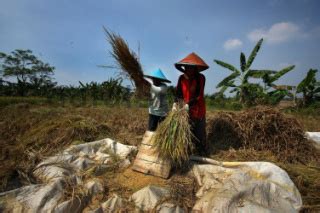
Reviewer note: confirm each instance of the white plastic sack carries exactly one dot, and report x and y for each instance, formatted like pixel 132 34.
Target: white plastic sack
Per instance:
pixel 245 187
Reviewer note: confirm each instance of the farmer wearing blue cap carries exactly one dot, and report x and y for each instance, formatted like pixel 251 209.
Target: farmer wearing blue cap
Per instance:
pixel 158 106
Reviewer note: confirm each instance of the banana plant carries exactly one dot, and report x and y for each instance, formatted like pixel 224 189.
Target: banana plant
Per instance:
pixel 275 93
pixel 239 78
pixel 309 87
pixel 275 96
pixel 269 77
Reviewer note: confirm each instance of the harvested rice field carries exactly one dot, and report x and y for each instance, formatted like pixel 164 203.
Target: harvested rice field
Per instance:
pixel 29 133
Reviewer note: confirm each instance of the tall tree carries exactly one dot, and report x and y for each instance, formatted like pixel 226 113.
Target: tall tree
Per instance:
pixel 26 67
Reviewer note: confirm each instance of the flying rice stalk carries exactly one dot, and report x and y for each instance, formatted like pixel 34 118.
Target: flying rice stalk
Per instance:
pixel 128 62
pixel 173 138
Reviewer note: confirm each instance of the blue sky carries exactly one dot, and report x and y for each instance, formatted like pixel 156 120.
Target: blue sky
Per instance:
pixel 68 34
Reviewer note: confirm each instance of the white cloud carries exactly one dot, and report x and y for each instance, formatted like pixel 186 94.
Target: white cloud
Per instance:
pixel 232 44
pixel 277 33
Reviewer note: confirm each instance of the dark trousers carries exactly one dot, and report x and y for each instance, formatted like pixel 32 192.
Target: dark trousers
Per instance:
pixel 154 121
pixel 198 128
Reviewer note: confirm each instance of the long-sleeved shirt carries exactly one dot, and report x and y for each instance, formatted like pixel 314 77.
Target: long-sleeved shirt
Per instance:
pixel 158 104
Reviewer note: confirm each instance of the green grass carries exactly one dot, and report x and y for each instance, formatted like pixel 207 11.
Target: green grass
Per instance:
pixel 77 102
pixel 5 101
pixel 227 104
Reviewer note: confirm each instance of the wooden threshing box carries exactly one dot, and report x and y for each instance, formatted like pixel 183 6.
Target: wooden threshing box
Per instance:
pixel 148 160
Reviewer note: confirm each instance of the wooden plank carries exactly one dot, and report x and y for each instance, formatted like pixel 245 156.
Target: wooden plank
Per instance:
pixel 151 158
pixel 145 150
pixel 152 168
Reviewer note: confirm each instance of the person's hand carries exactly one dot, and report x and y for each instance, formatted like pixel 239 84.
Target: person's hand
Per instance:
pixel 186 107
pixel 174 107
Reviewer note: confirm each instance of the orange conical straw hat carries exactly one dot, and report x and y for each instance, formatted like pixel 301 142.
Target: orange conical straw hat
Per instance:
pixel 193 60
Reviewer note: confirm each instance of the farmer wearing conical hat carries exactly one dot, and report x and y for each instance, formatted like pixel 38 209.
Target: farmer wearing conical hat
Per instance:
pixel 158 105
pixel 190 90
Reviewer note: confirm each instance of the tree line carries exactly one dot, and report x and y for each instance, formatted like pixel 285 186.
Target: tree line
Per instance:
pixel 23 74
pixel 33 77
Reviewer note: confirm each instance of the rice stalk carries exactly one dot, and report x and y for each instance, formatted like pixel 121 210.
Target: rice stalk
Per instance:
pixel 128 62
pixel 173 138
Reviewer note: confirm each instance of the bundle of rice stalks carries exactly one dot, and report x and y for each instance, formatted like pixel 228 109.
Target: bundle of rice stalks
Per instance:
pixel 262 129
pixel 128 62
pixel 173 138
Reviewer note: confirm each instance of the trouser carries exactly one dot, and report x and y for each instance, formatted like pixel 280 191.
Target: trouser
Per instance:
pixel 154 121
pixel 198 129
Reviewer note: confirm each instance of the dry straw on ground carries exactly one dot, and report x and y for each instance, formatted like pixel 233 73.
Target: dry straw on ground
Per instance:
pixel 128 62
pixel 262 129
pixel 183 190
pixel 173 138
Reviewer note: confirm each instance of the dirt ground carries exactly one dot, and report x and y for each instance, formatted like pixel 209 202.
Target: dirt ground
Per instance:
pixel 30 132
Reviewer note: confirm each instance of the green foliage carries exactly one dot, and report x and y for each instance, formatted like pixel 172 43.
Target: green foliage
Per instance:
pixel 309 113
pixel 254 54
pixel 275 96
pixel 309 87
pixel 280 73
pixel 227 85
pixel 227 66
pixel 34 78
pixel 243 62
pixel 227 80
pixel 110 92
pixel 250 93
pixel 9 100
pixel 244 89
pixel 218 101
pixel 260 73
pixel 171 92
pixel 30 72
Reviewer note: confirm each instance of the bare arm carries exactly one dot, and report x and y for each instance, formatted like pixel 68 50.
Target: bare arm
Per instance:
pixel 157 89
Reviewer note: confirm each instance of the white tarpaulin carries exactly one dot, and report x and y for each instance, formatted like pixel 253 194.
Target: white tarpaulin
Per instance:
pixel 314 136
pixel 224 186
pixel 245 187
pixel 231 187
pixel 65 167
pixel 148 197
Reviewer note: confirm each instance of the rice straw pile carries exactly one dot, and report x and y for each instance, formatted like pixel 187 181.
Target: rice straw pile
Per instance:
pixel 262 129
pixel 173 138
pixel 128 62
